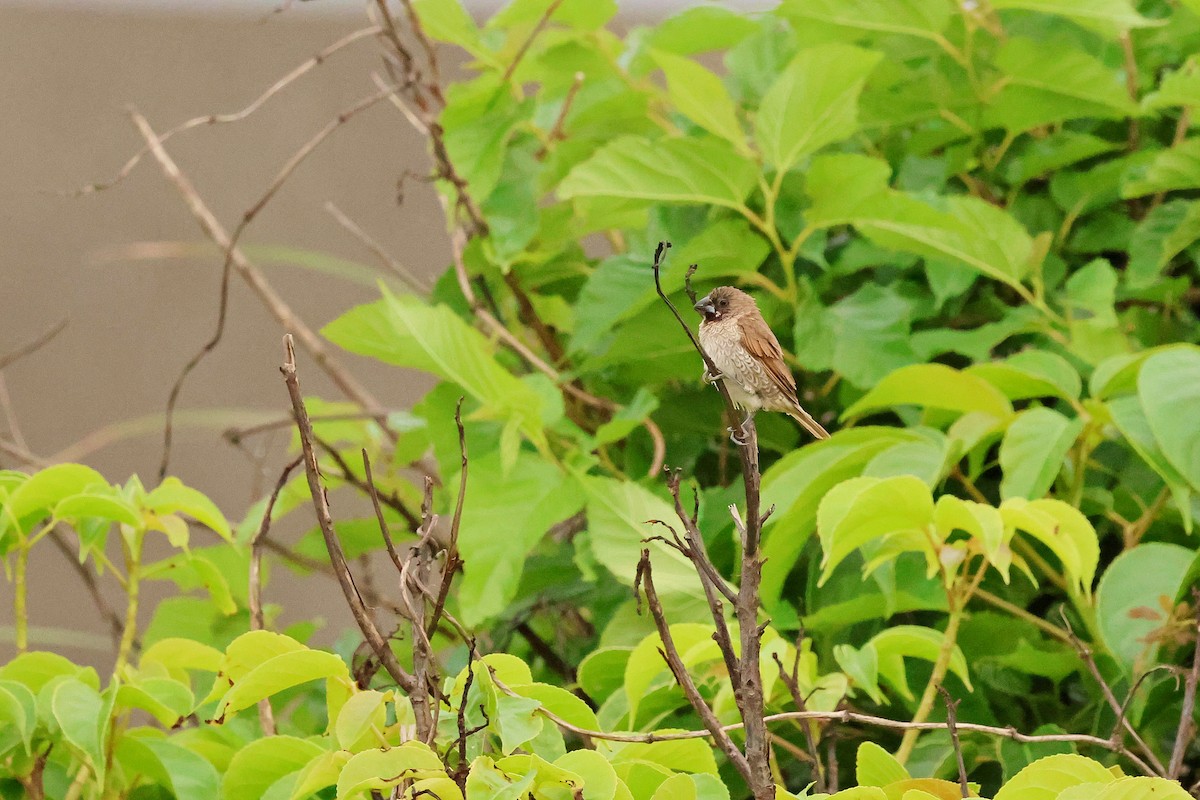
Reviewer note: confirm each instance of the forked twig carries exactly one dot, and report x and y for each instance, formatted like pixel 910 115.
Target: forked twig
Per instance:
pixel 952 726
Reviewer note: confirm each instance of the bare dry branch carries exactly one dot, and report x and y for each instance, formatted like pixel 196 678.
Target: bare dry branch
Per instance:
pixel 1187 727
pixel 385 258
pixel 37 343
pixel 952 726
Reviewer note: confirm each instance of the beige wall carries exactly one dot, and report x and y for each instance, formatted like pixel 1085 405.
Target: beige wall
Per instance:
pixel 65 77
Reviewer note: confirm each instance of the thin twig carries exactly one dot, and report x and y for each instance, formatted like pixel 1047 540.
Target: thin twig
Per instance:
pixel 792 682
pixel 1186 731
pixel 952 726
pixel 34 345
pixel 537 29
pixel 844 717
pixel 556 130
pixel 279 309
pixel 645 578
pixel 453 561
pixel 266 716
pixel 1085 654
pixel 383 526
pixel 385 258
pixel 237 116
pixel 337 556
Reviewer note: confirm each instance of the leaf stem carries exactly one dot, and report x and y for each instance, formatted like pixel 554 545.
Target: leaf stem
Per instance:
pixel 19 597
pixel 133 557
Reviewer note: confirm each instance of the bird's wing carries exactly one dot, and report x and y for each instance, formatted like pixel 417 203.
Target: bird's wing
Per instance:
pixel 760 342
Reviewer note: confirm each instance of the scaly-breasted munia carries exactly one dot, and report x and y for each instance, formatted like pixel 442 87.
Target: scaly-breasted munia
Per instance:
pixel 739 341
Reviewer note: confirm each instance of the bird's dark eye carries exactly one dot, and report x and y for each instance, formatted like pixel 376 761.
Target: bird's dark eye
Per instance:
pixel 723 303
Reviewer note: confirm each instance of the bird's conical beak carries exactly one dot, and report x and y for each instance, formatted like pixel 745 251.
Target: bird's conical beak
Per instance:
pixel 705 306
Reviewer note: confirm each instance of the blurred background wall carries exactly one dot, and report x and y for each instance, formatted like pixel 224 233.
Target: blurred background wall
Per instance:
pixel 135 313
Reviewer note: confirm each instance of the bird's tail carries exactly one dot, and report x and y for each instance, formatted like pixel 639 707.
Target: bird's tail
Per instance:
pixel 808 423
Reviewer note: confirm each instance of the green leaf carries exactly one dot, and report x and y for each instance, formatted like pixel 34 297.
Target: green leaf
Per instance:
pixel 517 721
pixel 46 488
pixel 83 715
pixel 982 522
pixel 933 386
pixel 18 716
pixel 262 762
pixel 1046 777
pixel 813 103
pixel 447 21
pixel 1063 530
pixel 172 497
pixel 529 498
pixel 627 418
pixel 1033 451
pixel 1052 153
pixel 700 29
pixel 93 504
pixel 1129 607
pixel 666 170
pixel 1180 87
pixel 380 769
pixel 894 644
pixel 1170 170
pixel 1139 788
pixel 1169 388
pixel 692 787
pixel 852 190
pixel 618 514
pixel 869 333
pixel 1031 373
pixel 1107 17
pixel 646 663
pixel 1161 235
pixel 862 510
pixel 276 674
pixel 909 18
pixel 362 711
pixel 182 771
pixel 166 699
pixel 35 669
pixel 1130 419
pixel 405 332
pixel 701 97
pixel 1039 91
pixel 875 766
pixel 599 778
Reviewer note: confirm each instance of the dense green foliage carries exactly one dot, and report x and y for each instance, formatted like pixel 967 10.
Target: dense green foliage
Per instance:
pixel 973 228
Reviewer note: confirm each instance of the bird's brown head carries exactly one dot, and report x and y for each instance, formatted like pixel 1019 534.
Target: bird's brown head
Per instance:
pixel 723 302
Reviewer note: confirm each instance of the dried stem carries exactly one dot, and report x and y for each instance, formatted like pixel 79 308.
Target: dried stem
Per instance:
pixel 385 258
pixel 30 347
pixel 1187 731
pixel 952 726
pixel 337 556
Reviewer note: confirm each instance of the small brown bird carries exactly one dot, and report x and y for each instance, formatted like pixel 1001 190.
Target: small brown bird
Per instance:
pixel 739 341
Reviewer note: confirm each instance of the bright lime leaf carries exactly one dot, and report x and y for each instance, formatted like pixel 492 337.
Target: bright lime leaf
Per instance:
pixel 83 715
pixel 1046 777
pixel 875 766
pixel 379 769
pixel 362 711
pixel 667 170
pixel 862 510
pixel 813 103
pixel 262 762
pixel 894 644
pixel 933 386
pixel 692 787
pixel 982 522
pixel 1061 528
pixel 165 699
pixel 276 674
pixel 1034 448
pixel 185 773
pixel 172 497
pixel 45 489
pixel 1031 373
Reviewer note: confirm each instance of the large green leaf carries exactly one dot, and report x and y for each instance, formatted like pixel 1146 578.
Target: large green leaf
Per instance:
pixel 618 515
pixel 1170 170
pixel 1169 388
pixel 1129 607
pixel 179 769
pixel 82 714
pixel 1109 17
pixel 262 762
pixel 667 170
pixel 874 766
pixel 1161 235
pixel 700 96
pixel 923 18
pixel 813 103
pixel 46 488
pixel 1034 448
pixel 506 514
pixel 1063 530
pixel 379 769
pixel 1130 419
pixel 966 231
pixel 1039 90
pixel 408 333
